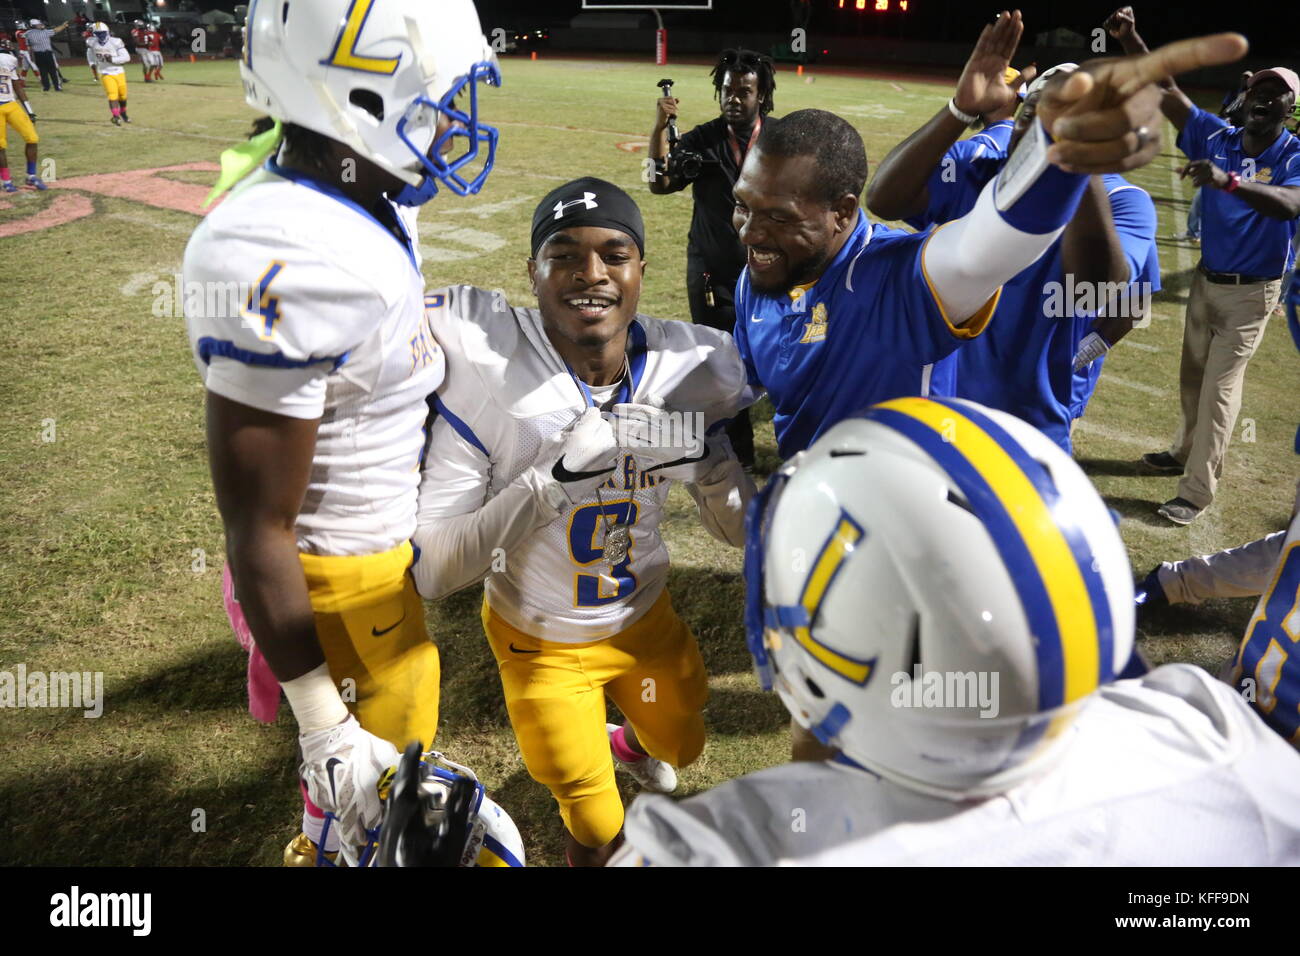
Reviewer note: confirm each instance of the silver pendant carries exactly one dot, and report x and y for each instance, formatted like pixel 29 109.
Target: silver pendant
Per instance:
pixel 618 541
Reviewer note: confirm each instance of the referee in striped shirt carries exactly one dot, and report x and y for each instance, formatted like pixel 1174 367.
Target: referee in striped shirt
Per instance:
pixel 38 43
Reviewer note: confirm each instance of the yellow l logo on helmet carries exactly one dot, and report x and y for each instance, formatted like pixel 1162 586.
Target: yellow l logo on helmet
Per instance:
pixel 345 53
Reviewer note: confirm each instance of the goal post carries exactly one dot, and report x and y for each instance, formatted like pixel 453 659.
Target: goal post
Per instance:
pixel 661 35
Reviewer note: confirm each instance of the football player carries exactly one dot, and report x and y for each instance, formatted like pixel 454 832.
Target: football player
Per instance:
pixel 316 357
pixel 559 430
pixel 24 55
pixel 15 112
pixel 151 55
pixel 138 40
pixel 959 640
pixel 106 53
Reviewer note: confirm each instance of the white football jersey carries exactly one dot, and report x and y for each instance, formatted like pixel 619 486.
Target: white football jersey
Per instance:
pixel 108 56
pixel 1172 769
pixel 8 77
pixel 506 391
pixel 300 303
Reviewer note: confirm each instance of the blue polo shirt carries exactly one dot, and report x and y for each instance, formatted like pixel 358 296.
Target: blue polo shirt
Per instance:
pixel 868 330
pixel 1024 363
pixel 1234 237
pixel 957 181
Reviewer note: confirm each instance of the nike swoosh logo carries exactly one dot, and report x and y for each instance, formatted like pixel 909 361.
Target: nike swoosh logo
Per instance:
pixel 329 772
pixel 754 318
pixel 520 650
pixel 562 474
pixel 378 633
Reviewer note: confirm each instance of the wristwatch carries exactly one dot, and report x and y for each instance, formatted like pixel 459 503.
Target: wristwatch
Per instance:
pixel 1234 180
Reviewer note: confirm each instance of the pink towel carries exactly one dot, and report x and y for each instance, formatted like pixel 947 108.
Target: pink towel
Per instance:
pixel 263 688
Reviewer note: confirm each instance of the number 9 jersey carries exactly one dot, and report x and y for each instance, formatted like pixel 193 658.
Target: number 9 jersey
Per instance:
pixel 506 392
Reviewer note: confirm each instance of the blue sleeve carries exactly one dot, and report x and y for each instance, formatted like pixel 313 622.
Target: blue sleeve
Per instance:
pixel 741 333
pixel 949 182
pixel 1135 220
pixel 1200 124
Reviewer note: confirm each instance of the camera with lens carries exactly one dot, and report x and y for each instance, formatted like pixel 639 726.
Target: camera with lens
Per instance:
pixel 679 163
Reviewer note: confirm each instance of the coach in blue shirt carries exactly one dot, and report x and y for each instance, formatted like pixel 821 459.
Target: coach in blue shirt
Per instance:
pixel 1249 178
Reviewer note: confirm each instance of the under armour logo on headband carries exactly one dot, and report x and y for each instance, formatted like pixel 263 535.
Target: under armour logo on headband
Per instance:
pixel 588 200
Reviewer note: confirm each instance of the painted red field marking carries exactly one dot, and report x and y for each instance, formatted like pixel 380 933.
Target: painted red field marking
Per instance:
pixel 146 186
pixel 64 209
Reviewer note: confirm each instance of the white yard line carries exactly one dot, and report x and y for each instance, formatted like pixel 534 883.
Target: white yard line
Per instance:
pixel 1184 254
pixel 152 223
pixel 1135 386
pixel 1110 433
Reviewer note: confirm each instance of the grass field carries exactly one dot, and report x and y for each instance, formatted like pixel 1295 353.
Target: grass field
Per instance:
pixel 110 546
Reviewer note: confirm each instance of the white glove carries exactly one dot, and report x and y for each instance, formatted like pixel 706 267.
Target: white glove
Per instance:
pixel 341 766
pixel 1091 348
pixel 581 458
pixel 668 444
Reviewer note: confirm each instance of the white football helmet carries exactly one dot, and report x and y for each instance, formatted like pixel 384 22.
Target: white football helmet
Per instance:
pixel 935 589
pixel 375 75
pixel 101 31
pixel 434 816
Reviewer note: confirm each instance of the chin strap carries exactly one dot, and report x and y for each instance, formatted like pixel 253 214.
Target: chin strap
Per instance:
pixel 238 161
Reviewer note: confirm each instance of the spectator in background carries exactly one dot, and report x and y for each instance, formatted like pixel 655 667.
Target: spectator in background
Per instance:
pixel 39 39
pixel 1251 184
pixel 743 82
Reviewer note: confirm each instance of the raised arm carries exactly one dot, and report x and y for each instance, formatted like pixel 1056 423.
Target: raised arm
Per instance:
pixel 665 109
pixel 1122 25
pixel 1103 119
pixel 900 187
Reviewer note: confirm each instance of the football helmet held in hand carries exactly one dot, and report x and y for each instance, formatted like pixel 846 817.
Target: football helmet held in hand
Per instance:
pixel 341 767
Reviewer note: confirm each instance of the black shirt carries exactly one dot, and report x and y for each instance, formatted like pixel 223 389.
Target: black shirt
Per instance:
pixel 713 239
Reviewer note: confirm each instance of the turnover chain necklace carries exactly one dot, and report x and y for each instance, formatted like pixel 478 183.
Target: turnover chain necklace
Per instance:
pixel 617 539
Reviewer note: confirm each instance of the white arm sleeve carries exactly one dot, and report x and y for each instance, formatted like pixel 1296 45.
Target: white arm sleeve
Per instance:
pixel 120 55
pixel 458 534
pixel 1236 572
pixel 722 499
pixel 1015 220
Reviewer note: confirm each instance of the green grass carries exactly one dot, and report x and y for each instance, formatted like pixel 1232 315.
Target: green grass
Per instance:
pixel 100 529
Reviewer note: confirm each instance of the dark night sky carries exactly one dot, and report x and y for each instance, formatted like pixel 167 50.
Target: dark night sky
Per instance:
pixel 1274 31
pixel 960 20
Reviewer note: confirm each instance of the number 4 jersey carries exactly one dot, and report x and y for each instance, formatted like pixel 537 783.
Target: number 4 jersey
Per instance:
pixel 303 304
pixel 507 390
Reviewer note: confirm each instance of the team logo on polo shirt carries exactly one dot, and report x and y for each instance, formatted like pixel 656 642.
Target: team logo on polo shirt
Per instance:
pixel 815 331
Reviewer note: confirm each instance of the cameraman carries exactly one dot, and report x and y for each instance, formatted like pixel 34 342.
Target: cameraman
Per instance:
pixel 743 82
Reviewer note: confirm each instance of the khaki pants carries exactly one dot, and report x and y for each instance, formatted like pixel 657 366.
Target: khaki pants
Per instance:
pixel 1224 326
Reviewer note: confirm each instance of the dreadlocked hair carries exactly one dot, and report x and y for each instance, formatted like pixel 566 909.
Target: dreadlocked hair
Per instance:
pixel 740 62
pixel 304 143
